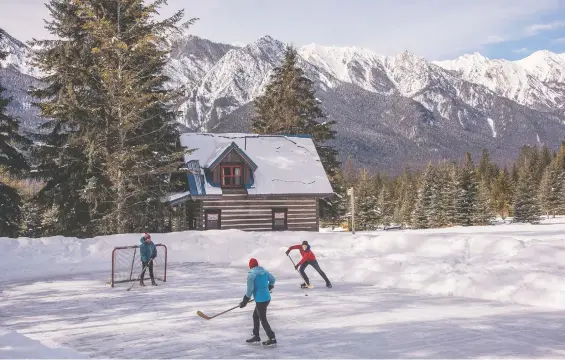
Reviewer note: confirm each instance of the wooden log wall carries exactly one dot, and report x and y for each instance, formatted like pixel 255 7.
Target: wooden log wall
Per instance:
pixel 255 213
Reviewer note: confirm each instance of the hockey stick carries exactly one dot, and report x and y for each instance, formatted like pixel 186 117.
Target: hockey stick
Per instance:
pixel 142 272
pixel 204 316
pixel 298 271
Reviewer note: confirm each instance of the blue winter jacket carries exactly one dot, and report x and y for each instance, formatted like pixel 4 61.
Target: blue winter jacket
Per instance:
pixel 258 281
pixel 147 251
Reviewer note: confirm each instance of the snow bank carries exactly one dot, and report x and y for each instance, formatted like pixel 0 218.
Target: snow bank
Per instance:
pixel 515 263
pixel 17 346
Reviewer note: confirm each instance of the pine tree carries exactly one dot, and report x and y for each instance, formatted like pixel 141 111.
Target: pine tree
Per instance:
pixel 406 199
pixel 386 206
pixel 467 192
pixel 483 207
pixel 367 214
pixel 447 195
pixel 427 203
pixel 62 153
pixel 140 139
pixel 110 136
pixel 502 195
pixel 12 163
pixel 552 187
pixel 526 206
pixel 289 106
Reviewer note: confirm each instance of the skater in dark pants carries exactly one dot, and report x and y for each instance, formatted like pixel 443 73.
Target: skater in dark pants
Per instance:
pixel 147 251
pixel 308 258
pixel 260 282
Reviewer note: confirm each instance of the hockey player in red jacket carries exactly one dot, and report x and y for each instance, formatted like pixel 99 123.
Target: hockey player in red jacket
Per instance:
pixel 308 258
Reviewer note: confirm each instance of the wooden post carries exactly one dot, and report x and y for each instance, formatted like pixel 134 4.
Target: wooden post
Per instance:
pixel 351 194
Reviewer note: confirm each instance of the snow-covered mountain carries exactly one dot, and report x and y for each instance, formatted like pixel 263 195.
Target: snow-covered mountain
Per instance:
pixel 389 110
pixel 17 76
pixel 528 81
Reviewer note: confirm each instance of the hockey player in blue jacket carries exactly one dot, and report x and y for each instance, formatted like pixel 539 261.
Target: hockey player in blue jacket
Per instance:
pixel 147 251
pixel 260 282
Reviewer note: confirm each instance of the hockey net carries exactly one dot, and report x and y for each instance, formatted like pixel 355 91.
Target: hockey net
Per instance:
pixel 126 264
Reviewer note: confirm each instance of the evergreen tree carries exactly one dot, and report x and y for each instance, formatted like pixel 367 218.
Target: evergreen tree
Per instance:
pixel 12 163
pixel 367 214
pixel 502 194
pixel 62 158
pixel 526 206
pixel 427 203
pixel 110 136
pixel 407 192
pixel 140 139
pixel 552 187
pixel 289 106
pixel 386 206
pixel 483 207
pixel 447 195
pixel 467 192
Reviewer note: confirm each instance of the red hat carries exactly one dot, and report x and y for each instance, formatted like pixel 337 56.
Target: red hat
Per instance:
pixel 253 262
pixel 146 235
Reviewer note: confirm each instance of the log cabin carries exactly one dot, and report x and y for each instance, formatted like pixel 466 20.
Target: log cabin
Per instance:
pixel 250 182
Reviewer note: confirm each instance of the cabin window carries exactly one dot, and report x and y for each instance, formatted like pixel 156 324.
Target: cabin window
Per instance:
pixel 232 175
pixel 213 219
pixel 279 219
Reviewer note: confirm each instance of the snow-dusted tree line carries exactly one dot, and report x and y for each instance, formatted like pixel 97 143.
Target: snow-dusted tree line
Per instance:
pixel 449 193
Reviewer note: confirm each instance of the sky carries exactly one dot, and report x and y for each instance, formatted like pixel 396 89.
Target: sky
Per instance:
pixel 434 29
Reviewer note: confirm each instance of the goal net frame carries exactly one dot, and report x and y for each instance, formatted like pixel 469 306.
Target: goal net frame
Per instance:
pixel 159 267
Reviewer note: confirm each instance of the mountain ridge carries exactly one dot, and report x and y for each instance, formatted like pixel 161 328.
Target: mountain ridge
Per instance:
pixel 390 111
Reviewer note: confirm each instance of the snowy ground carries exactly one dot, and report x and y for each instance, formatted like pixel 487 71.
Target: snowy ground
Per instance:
pixel 452 293
pixel 348 321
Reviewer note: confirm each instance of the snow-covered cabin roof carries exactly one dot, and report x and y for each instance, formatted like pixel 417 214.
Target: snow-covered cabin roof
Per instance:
pixel 283 164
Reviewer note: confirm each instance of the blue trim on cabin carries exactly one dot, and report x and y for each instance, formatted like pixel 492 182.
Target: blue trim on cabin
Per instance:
pixel 303 136
pixel 202 184
pixel 233 146
pixel 192 184
pixel 251 181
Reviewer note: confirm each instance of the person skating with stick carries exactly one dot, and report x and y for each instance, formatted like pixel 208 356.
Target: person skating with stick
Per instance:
pixel 308 258
pixel 260 282
pixel 148 253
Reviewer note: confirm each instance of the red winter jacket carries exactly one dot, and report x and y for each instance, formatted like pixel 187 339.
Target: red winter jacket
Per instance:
pixel 307 255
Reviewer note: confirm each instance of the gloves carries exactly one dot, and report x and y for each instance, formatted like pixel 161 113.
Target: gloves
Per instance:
pixel 296 267
pixel 244 301
pixel 271 287
pixel 286 252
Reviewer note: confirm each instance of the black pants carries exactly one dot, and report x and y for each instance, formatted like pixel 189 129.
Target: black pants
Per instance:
pixel 260 315
pixel 144 264
pixel 315 266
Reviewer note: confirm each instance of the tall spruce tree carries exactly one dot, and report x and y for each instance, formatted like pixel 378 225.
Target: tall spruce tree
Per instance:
pixel 289 106
pixel 111 139
pixel 502 194
pixel 406 199
pixel 447 195
pixel 426 210
pixel 140 138
pixel 367 213
pixel 12 163
pixel 526 205
pixel 63 157
pixel 467 192
pixel 386 206
pixel 552 187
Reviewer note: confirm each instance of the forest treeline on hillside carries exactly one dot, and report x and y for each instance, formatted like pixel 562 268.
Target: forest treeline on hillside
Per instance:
pixel 447 194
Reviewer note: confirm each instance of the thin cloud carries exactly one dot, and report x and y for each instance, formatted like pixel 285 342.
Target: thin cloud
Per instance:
pixel 558 41
pixel 537 28
pixel 520 51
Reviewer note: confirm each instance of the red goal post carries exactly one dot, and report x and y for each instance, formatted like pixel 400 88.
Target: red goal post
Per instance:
pixel 126 264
